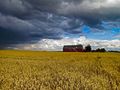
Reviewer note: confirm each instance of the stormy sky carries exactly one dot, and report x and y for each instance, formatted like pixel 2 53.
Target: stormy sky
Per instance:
pixel 35 24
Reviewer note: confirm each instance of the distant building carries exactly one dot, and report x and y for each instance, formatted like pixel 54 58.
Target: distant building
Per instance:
pixel 73 48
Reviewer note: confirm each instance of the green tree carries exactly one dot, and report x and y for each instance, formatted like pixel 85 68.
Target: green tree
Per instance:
pixel 88 48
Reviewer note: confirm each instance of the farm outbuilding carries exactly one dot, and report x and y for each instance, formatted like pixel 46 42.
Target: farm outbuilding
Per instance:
pixel 73 48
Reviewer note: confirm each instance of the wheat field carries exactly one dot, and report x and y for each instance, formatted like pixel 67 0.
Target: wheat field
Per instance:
pixel 34 70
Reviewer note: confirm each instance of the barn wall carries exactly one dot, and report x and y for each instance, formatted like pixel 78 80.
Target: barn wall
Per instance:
pixel 72 49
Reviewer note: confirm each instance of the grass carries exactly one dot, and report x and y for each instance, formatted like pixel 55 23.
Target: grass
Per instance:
pixel 29 70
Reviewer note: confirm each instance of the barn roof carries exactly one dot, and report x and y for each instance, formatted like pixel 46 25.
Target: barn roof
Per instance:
pixel 74 45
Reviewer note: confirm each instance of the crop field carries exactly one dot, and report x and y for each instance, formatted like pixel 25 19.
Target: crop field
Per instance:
pixel 34 70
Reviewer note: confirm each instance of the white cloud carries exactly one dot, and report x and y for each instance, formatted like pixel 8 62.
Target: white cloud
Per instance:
pixel 57 45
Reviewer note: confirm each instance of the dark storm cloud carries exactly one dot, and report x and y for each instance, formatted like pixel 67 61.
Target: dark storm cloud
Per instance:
pixel 23 21
pixel 92 12
pixel 35 27
pixel 16 30
pixel 14 7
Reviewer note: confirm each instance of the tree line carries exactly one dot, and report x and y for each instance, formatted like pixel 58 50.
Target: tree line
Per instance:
pixel 89 49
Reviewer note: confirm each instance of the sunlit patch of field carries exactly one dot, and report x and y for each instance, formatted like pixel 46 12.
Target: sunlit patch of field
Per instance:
pixel 28 70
